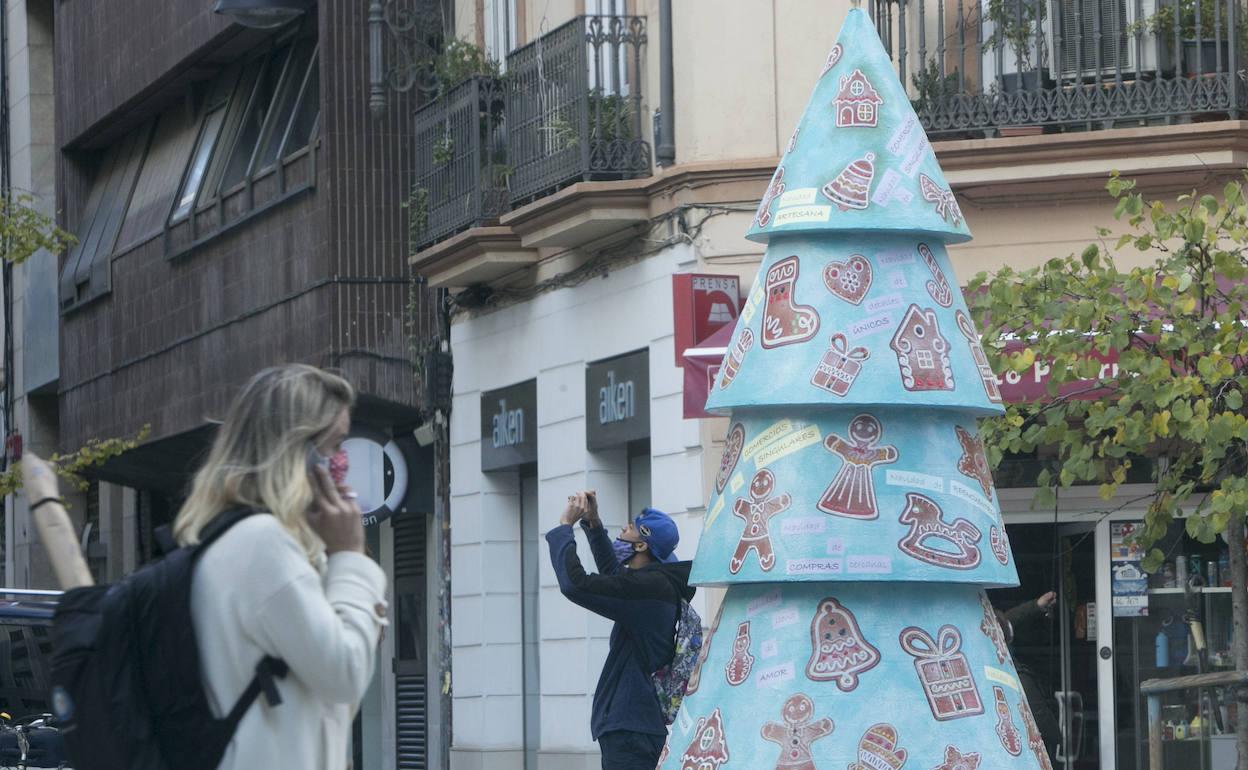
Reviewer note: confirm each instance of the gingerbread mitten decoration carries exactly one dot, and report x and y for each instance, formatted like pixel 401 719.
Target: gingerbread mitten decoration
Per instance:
pixel 784 321
pixel 852 491
pixel 800 729
pixel 742 662
pixel 838 651
pixel 878 750
pixel 757 513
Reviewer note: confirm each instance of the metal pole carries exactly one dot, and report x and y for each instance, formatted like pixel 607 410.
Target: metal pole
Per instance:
pixel 1154 732
pixel 665 150
pixel 376 61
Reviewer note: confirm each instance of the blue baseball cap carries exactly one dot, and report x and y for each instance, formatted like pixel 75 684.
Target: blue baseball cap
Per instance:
pixel 659 532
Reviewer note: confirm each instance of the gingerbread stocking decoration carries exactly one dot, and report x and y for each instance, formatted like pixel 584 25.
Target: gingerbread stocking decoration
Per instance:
pixel 742 662
pixel 1006 731
pixel 784 321
pixel 799 730
pixel 757 513
pixel 852 492
pixel 839 652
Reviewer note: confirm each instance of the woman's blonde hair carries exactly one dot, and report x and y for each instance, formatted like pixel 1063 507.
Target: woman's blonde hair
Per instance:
pixel 259 456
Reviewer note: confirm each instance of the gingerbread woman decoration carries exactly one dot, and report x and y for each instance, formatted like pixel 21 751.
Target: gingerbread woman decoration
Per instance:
pixel 799 730
pixel 852 491
pixel 977 353
pixel 757 513
pixel 784 321
pixel 974 461
pixel 839 652
pixel 992 629
pixel 1011 741
pixel 741 663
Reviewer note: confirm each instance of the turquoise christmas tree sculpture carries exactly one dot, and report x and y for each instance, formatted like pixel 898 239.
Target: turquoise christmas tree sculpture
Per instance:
pixel 853 518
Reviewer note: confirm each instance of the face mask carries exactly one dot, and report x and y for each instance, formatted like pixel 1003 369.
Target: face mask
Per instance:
pixel 623 550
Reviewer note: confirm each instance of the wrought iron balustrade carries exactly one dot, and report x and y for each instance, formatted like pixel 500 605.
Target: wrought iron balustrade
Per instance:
pixel 574 106
pixel 461 161
pixel 983 67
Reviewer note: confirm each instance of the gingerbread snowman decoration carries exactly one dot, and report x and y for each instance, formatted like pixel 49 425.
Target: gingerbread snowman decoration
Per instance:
pixel 742 662
pixel 797 732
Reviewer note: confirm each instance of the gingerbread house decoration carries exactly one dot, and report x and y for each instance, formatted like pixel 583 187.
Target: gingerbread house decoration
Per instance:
pixel 922 352
pixel 709 748
pixel 857 102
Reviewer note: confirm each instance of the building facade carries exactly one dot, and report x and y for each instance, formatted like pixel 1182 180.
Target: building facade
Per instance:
pixel 630 142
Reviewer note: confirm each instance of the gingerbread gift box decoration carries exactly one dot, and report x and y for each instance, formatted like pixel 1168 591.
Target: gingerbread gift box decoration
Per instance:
pixel 852 516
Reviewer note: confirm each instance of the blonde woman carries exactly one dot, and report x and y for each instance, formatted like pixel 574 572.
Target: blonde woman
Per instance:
pixel 294 584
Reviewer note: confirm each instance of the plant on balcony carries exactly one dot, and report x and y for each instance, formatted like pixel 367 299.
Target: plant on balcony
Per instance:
pixel 610 117
pixel 417 206
pixel 931 89
pixel 461 60
pixel 1018 33
pixel 1197 40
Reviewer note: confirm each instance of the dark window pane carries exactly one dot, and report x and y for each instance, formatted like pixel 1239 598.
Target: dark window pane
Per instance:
pixel 250 130
pixel 283 111
pixel 199 163
pixel 162 170
pixel 304 123
pixel 233 111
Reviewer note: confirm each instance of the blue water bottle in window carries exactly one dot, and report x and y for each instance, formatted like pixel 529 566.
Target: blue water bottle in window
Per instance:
pixel 1161 646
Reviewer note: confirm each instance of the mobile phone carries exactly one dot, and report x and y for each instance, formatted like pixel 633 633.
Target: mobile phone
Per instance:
pixel 315 458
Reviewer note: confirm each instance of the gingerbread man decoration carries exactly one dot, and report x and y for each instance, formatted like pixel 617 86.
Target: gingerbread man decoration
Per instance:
pixel 741 663
pixel 784 321
pixel 774 190
pixel 1035 741
pixel 852 491
pixel 974 462
pixel 1011 741
pixel 956 539
pixel 977 353
pixel 757 513
pixel 992 629
pixel 839 652
pixel 799 730
pixel 955 759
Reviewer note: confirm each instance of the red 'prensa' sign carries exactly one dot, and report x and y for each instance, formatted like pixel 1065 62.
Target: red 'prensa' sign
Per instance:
pixel 1031 385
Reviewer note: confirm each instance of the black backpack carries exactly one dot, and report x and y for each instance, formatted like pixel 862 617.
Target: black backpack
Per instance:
pixel 126 686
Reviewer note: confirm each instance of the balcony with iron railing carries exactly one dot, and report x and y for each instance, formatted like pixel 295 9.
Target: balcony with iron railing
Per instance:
pixel 982 68
pixel 567 108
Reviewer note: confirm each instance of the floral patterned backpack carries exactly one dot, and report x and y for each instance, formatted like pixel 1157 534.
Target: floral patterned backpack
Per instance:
pixel 671 680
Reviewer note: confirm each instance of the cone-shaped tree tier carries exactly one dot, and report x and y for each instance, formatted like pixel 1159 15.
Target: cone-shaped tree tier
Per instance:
pixel 853 517
pixel 859 159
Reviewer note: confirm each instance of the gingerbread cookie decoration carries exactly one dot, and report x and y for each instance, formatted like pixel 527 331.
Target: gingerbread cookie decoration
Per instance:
pixel 922 352
pixel 709 747
pixel 992 629
pixel 732 364
pixel 741 663
pixel 877 750
pixel 774 190
pixel 1035 741
pixel 938 287
pixel 956 759
pixel 834 56
pixel 1000 549
pixel 857 103
pixel 946 202
pixel 733 444
pixel 974 461
pixel 1006 731
pixel 839 652
pixel 849 280
pixel 944 672
pixel 799 730
pixel 695 676
pixel 935 541
pixel 839 366
pixel 852 187
pixel 991 388
pixel 784 321
pixel 852 491
pixel 757 513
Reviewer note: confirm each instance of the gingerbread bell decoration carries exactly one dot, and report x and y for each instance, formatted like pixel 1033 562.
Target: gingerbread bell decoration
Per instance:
pixel 853 516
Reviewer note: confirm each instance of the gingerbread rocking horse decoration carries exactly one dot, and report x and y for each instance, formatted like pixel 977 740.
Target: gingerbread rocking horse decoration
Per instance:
pixel 852 521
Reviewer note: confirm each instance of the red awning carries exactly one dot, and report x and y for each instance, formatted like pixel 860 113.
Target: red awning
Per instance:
pixel 702 369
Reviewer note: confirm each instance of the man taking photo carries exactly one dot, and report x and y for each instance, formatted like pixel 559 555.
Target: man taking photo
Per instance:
pixel 639 585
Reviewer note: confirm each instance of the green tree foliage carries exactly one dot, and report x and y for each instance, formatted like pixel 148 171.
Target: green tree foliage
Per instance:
pixel 1178 327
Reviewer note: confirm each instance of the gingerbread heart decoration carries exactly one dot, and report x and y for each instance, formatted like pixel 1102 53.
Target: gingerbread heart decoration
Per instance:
pixel 849 280
pixel 732 452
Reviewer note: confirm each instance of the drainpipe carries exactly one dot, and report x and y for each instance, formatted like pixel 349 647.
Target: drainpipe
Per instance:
pixel 665 152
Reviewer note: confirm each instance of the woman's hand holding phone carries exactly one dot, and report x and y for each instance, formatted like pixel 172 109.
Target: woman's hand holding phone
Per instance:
pixel 334 514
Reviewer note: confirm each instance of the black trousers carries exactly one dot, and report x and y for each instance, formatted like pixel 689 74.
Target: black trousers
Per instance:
pixel 625 750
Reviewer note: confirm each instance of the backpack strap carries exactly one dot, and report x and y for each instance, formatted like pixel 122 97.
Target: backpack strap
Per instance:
pixel 222 524
pixel 268 670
